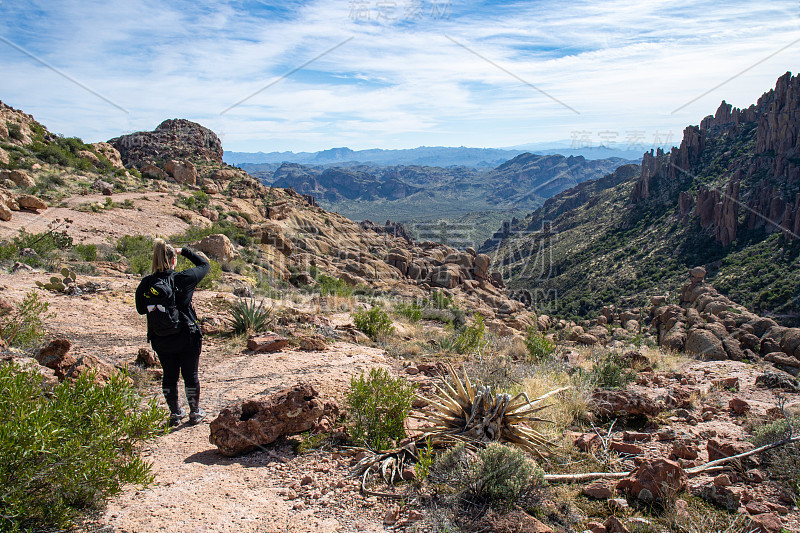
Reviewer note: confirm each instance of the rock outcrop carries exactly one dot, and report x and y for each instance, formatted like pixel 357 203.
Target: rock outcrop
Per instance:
pixel 173 139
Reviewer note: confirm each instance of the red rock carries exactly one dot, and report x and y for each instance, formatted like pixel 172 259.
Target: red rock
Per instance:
pixel 722 480
pixel 652 478
pixel 513 522
pixel 587 441
pixel 726 497
pixel 257 422
pixel 412 370
pixel 617 504
pixel 682 510
pixel 414 515
pixel 267 343
pixel 765 523
pixel 613 525
pixel 391 516
pixel 636 436
pixel 756 507
pixel 596 527
pixel 684 450
pixel 625 447
pixel 727 383
pixel 146 359
pixel 600 490
pixel 778 508
pixel 738 406
pixel 756 476
pixel 612 403
pixel 409 474
pixel 721 449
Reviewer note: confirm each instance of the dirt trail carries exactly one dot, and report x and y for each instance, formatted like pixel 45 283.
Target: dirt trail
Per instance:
pixel 196 488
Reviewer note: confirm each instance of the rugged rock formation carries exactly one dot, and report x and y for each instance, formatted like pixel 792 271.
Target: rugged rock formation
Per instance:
pixel 775 119
pixel 178 139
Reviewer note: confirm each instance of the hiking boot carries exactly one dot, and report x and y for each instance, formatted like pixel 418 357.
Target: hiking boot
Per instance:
pixel 175 417
pixel 195 417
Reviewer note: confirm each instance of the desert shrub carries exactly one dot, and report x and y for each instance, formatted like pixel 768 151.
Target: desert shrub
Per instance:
pixel 539 346
pixel 440 315
pixel 8 250
pixel 783 463
pixel 373 322
pixel 45 243
pixel 467 340
pixel 611 372
pixel 24 326
pixel 14 131
pixel 230 230
pixel 87 252
pixel 198 200
pixel 329 286
pixel 67 450
pixel 246 316
pixel 138 250
pixel 422 468
pixel 451 466
pixel 439 300
pixel 501 474
pixel 378 405
pixel 411 311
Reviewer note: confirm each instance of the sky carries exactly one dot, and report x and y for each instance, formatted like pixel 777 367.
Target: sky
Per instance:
pixel 306 76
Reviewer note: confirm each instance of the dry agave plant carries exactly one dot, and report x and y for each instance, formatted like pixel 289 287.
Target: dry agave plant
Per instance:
pixel 470 413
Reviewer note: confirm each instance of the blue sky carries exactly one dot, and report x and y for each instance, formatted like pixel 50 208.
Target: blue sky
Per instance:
pixel 405 73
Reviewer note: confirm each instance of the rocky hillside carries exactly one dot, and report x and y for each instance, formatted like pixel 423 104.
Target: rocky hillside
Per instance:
pixel 728 198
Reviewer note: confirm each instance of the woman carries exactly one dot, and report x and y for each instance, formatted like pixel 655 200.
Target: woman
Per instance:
pixel 177 346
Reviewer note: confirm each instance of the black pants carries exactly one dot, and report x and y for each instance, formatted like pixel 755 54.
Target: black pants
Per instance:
pixel 180 356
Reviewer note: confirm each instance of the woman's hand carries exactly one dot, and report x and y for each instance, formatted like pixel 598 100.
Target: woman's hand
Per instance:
pixel 178 250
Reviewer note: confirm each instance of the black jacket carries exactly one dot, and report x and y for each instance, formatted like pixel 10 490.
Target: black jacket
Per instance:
pixel 185 283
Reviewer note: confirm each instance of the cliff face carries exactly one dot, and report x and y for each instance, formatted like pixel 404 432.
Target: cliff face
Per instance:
pixel 177 139
pixel 759 188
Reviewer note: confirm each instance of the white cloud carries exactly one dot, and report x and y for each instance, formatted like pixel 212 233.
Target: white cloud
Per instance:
pixel 624 65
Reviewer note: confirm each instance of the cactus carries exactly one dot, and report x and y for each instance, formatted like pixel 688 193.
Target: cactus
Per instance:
pixel 59 284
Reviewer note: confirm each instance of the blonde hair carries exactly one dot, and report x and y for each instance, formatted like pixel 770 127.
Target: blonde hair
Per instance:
pixel 163 256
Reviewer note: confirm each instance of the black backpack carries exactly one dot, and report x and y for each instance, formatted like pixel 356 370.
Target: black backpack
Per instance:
pixel 163 317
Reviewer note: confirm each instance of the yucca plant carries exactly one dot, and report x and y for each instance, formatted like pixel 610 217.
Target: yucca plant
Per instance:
pixel 248 317
pixel 471 414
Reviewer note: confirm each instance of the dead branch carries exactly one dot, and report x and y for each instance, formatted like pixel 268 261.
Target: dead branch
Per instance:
pixel 713 466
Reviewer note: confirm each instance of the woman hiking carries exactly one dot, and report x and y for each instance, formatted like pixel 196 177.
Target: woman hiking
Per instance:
pixel 165 296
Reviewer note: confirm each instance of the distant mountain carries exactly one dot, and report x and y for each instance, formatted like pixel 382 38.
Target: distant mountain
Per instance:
pixel 416 192
pixel 424 155
pixel 728 199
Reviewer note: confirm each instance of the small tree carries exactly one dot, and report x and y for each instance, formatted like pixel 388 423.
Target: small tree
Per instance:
pixel 378 406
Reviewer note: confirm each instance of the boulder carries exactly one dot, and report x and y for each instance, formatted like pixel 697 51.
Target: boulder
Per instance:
pixel 272 234
pixel 225 174
pixel 705 344
pixel 218 247
pixel 30 202
pixel 267 343
pixel 67 365
pixel 599 490
pixel 654 480
pixel 3 157
pixel 790 342
pixel 258 422
pixel 110 153
pixel 480 266
pixel 5 212
pixel 183 172
pixel 738 406
pixel 446 276
pixel 153 172
pixel 146 359
pixel 19 177
pixel 611 403
pixel 313 343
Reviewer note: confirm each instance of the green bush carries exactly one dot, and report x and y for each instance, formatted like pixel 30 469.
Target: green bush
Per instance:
pixel 378 405
pixel 327 285
pixel 46 242
pixel 373 322
pixel 440 315
pixel 14 130
pixel 439 300
pixel 539 346
pixel 783 463
pixel 65 451
pixel 87 252
pixel 411 311
pixel 469 338
pixel 24 326
pixel 138 250
pixel 501 474
pixel 609 371
pixel 246 316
